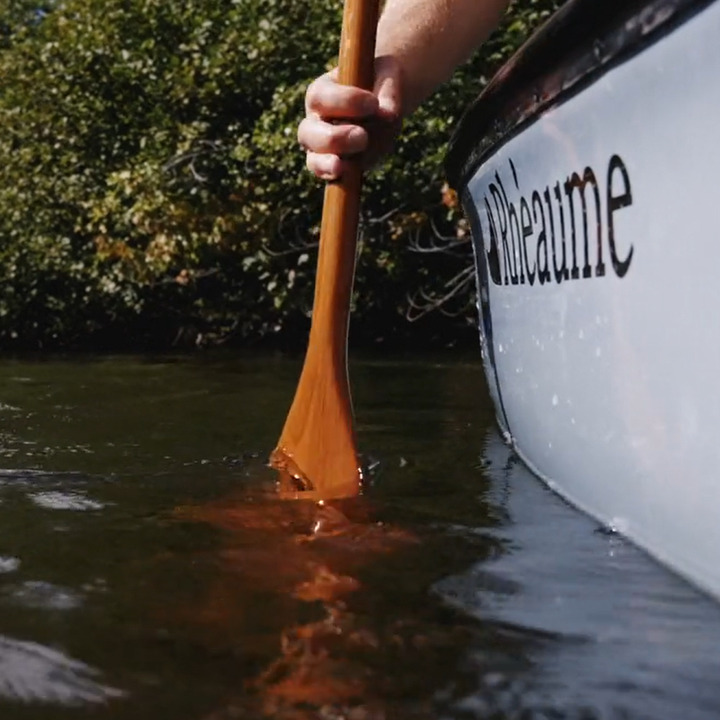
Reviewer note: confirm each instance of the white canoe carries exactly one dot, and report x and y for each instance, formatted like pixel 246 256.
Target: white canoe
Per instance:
pixel 588 172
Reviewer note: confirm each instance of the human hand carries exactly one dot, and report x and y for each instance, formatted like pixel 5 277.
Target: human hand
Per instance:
pixel 342 121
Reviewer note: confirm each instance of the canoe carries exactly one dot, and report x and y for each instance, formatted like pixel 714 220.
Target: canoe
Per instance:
pixel 587 172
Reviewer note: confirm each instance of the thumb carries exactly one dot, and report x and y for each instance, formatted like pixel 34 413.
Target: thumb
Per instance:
pixel 388 87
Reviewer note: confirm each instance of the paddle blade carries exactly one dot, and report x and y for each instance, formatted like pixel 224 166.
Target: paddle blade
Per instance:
pixel 316 457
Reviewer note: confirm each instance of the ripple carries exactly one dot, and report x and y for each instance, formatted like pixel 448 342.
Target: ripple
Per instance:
pixel 30 672
pixel 57 500
pixel 8 564
pixel 45 595
pixel 20 478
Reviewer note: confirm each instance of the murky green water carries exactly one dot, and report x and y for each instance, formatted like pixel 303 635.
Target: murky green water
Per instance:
pixel 147 570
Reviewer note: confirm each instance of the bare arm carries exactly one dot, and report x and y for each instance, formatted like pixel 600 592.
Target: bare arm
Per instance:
pixel 419 45
pixel 430 38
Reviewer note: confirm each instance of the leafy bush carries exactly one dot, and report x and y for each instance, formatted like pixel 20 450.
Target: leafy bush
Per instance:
pixel 151 188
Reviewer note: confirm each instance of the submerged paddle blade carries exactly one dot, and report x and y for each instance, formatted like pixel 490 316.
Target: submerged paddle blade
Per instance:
pixel 316 455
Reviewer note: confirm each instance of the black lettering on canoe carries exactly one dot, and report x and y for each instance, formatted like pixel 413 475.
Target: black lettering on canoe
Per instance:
pixel 515 229
pixel 561 272
pixel 543 269
pixel 516 240
pixel 512 224
pixel 571 184
pixel 511 248
pixel 548 202
pixel 493 258
pixel 502 227
pixel 527 231
pixel 615 203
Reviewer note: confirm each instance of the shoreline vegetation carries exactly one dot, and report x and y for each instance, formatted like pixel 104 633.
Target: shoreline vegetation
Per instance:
pixel 153 196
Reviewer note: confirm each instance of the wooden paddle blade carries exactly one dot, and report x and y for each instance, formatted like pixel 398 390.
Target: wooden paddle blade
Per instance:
pixel 316 455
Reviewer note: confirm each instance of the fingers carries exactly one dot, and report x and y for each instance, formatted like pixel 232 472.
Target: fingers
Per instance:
pixel 330 100
pixel 327 144
pixel 328 132
pixel 324 166
pixel 326 141
pixel 319 136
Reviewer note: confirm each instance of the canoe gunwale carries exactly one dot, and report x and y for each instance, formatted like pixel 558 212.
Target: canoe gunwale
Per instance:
pixel 581 41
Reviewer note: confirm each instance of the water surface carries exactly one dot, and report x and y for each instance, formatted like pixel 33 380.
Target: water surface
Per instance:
pixel 148 571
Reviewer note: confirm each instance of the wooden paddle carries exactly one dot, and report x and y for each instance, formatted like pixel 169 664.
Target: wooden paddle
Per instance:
pixel 316 454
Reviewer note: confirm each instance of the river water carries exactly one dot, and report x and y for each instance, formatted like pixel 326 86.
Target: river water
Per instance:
pixel 148 570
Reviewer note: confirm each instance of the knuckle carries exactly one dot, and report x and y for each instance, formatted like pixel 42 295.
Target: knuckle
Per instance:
pixel 329 138
pixel 321 165
pixel 314 164
pixel 302 132
pixel 356 138
pixel 338 142
pixel 315 94
pixel 311 97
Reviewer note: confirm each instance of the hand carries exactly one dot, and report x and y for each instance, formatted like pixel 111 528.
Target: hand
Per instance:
pixel 341 120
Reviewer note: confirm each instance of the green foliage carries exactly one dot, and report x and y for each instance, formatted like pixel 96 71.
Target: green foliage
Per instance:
pixel 151 187
pixel 19 16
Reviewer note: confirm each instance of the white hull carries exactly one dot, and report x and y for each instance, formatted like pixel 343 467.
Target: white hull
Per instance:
pixel 607 383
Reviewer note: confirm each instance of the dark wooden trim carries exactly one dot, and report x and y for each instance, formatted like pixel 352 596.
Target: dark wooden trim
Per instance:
pixel 582 40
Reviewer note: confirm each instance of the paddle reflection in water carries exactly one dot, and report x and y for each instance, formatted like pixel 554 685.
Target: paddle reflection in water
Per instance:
pixel 361 638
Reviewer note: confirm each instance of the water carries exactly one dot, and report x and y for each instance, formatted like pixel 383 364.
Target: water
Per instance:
pixel 147 571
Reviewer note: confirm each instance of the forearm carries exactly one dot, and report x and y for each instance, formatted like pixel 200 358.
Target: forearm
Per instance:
pixel 430 38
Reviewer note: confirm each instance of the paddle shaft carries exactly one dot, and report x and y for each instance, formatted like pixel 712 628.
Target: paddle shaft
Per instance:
pixel 341 206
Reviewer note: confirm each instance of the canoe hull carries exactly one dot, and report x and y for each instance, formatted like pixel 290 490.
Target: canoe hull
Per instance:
pixel 596 230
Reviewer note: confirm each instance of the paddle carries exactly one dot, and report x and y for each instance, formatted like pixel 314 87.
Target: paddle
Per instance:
pixel 316 455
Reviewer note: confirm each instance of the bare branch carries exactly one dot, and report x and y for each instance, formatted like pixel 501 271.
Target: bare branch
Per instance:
pixel 383 218
pixel 294 250
pixel 438 243
pixel 424 302
pixel 200 148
